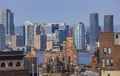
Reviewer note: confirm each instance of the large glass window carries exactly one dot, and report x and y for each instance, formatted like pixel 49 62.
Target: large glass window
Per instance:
pixel 109 50
pixel 105 50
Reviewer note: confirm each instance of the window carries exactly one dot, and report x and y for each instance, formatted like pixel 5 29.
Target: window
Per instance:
pixel 103 62
pixel 105 50
pixel 109 50
pixel 10 64
pixel 107 62
pixel 3 64
pixel 111 62
pixel 18 64
pixel 116 36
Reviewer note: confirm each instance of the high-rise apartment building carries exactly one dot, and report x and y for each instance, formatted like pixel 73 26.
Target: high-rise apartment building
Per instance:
pixel 29 34
pixel 37 40
pixel 94 31
pixel 79 36
pixel 8 21
pixel 108 23
pixel 2 37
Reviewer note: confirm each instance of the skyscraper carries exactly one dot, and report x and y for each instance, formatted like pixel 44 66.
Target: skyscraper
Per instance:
pixel 17 41
pixel 8 21
pixel 21 31
pixel 79 36
pixel 60 36
pixel 2 37
pixel 29 34
pixel 108 23
pixel 94 31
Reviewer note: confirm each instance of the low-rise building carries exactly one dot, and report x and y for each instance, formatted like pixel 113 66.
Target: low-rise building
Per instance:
pixel 12 64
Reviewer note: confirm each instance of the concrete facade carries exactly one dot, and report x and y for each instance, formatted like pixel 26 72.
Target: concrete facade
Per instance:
pixel 110 73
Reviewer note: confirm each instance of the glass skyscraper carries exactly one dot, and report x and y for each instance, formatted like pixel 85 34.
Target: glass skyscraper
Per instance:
pixel 94 31
pixel 21 31
pixel 60 36
pixel 79 36
pixel 108 23
pixel 7 19
pixel 2 37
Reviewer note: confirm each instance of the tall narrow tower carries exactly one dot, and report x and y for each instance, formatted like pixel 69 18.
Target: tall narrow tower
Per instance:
pixel 8 21
pixel 94 30
pixel 108 23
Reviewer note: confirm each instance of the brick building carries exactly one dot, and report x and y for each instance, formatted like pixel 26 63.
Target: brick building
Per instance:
pixel 109 51
pixel 70 51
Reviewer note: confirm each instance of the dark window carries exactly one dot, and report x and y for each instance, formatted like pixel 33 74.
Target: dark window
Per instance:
pixel 116 36
pixel 18 64
pixel 3 64
pixel 10 64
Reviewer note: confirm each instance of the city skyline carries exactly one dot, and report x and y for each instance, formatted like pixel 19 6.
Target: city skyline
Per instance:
pixel 70 12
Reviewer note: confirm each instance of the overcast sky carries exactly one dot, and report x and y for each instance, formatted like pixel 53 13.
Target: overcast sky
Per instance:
pixel 68 11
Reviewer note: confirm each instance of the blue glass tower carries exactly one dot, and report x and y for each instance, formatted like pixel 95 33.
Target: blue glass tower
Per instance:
pixel 21 31
pixel 79 36
pixel 94 30
pixel 60 36
pixel 8 21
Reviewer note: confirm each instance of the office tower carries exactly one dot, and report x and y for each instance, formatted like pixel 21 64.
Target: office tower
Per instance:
pixel 43 42
pixel 94 30
pixel 20 30
pixel 79 36
pixel 8 41
pixel 37 42
pixel 40 29
pixel 54 27
pixel 67 30
pixel 60 36
pixel 2 37
pixel 17 41
pixel 8 21
pixel 47 29
pixel 37 30
pixel 88 35
pixel 29 34
pixel 108 23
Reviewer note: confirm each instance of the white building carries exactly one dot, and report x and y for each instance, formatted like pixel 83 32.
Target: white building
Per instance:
pixel 29 33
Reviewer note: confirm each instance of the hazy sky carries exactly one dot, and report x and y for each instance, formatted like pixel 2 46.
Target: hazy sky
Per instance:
pixel 68 11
